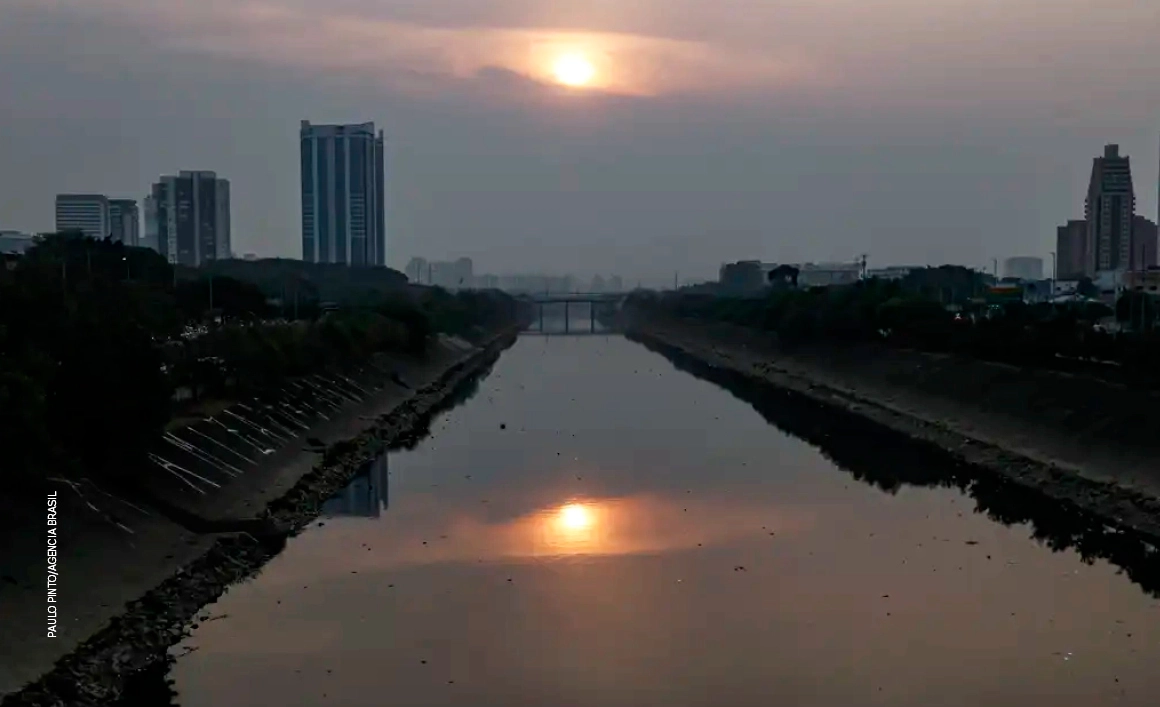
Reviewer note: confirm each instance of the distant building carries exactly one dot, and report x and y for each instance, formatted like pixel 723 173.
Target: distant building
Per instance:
pixel 742 276
pixel 343 194
pixel 417 271
pixel 189 217
pixel 452 275
pixel 1142 280
pixel 149 238
pixel 537 284
pixel 87 213
pixel 487 282
pixel 827 274
pixel 1023 267
pixel 615 284
pixel 16 242
pixel 124 221
pixel 250 256
pixel 1108 210
pixel 1143 243
pixel 891 272
pixel 1071 261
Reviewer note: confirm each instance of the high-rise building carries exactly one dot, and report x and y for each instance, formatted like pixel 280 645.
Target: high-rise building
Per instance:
pixel 1108 210
pixel 87 213
pixel 124 221
pixel 343 194
pixel 1071 250
pixel 191 217
pixel 1023 267
pixel 149 206
pixel 1143 243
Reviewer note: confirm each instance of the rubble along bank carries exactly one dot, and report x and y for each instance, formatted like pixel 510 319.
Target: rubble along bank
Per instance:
pixel 1107 481
pixel 95 673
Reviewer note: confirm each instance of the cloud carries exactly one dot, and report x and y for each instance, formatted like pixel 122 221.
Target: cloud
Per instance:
pixel 328 41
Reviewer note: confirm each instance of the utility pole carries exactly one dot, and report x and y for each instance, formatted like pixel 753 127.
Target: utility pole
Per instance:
pixel 1054 273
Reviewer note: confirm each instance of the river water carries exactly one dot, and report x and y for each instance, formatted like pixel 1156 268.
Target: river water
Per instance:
pixel 596 527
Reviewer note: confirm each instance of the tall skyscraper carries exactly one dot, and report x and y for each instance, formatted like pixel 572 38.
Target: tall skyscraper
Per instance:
pixel 191 217
pixel 1108 210
pixel 124 221
pixel 87 213
pixel 1071 250
pixel 343 194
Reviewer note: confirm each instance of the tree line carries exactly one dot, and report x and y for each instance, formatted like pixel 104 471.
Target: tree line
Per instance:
pixel 102 344
pixel 936 309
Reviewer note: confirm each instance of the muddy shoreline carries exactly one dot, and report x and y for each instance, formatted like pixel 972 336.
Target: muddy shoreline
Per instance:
pixel 1122 509
pixel 139 638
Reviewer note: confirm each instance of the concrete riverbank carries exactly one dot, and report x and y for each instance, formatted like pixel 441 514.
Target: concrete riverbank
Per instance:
pixel 1075 440
pixel 133 576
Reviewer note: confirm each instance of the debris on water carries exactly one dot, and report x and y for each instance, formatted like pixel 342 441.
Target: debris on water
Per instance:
pixel 972 542
pixel 502 426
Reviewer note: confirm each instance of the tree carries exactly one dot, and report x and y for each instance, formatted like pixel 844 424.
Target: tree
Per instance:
pixel 784 275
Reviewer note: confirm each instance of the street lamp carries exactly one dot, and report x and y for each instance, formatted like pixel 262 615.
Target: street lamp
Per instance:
pixel 1053 275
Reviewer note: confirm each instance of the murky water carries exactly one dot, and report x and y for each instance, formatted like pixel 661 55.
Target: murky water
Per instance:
pixel 597 527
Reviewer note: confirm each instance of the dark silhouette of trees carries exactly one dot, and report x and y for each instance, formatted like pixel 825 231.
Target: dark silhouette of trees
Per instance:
pixel 784 275
pixel 937 309
pixel 100 344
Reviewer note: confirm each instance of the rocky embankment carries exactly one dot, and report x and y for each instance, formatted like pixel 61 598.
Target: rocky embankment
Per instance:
pixel 1077 440
pixel 230 547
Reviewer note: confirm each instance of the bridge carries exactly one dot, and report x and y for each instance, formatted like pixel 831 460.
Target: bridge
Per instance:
pixel 592 299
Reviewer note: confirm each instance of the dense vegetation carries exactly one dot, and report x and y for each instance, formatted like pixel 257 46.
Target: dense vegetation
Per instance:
pixel 937 309
pixel 97 339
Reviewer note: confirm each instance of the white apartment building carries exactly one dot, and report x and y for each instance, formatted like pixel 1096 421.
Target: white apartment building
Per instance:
pixel 87 213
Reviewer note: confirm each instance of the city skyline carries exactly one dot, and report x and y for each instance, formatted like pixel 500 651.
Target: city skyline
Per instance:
pixel 751 131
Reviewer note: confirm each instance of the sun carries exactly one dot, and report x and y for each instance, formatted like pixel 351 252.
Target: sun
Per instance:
pixel 575 517
pixel 574 70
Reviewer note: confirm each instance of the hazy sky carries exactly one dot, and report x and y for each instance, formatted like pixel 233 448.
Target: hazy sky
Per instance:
pixel 917 131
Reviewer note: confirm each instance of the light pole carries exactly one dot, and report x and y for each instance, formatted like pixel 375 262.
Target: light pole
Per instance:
pixel 1053 275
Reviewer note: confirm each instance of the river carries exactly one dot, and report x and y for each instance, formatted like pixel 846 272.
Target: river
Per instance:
pixel 596 527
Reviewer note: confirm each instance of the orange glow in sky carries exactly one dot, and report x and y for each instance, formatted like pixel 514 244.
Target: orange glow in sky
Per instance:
pixel 574 70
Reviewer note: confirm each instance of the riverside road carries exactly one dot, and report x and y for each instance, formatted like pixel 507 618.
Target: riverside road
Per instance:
pixel 596 527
